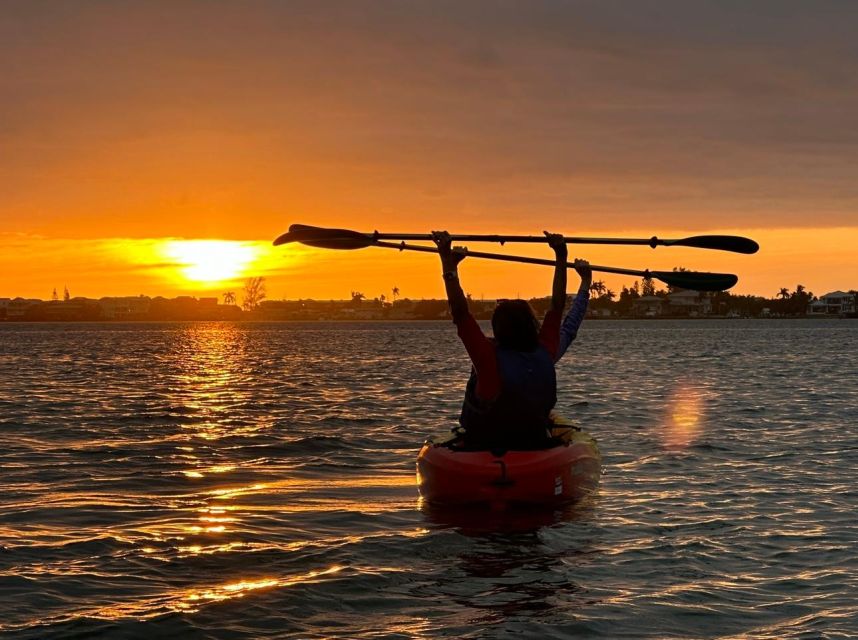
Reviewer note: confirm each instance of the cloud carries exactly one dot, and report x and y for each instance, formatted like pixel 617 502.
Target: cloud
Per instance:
pixel 194 119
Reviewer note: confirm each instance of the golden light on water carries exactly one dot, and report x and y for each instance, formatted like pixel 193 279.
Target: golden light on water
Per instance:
pixel 684 421
pixel 243 587
pixel 232 590
pixel 191 601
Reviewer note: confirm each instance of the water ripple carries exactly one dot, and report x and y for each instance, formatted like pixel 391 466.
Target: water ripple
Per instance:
pixel 217 480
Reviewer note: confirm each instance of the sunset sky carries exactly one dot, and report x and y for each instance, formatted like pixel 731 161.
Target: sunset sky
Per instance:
pixel 130 132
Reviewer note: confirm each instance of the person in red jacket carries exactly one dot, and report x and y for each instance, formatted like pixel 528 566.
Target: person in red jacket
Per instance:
pixel 512 388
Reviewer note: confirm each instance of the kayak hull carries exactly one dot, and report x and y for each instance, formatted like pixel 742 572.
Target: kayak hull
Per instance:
pixel 559 475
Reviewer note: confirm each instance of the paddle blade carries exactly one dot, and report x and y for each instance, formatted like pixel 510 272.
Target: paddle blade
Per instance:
pixel 325 238
pixel 737 244
pixel 696 280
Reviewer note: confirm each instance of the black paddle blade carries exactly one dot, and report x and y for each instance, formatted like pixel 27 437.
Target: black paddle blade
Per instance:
pixel 697 280
pixel 325 238
pixel 737 244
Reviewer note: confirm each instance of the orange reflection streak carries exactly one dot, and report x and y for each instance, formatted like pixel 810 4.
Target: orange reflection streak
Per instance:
pixel 190 601
pixel 215 529
pixel 227 591
pixel 305 484
pixel 210 356
pixel 322 543
pixel 685 418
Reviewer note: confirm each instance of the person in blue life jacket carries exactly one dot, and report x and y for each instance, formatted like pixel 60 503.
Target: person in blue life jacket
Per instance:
pixel 512 388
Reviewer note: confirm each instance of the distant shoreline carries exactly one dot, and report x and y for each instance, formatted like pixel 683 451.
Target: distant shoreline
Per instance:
pixel 404 320
pixel 682 304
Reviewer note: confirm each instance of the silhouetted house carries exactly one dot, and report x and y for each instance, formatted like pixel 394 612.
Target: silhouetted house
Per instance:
pixel 320 309
pixel 74 310
pixel 19 308
pixel 402 310
pixel 228 312
pixel 686 302
pixel 649 306
pixel 125 308
pixel 432 310
pixel 180 308
pixel 361 313
pixel 283 310
pixel 599 312
pixel 835 303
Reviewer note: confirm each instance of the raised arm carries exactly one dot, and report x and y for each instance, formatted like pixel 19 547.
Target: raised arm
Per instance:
pixel 586 274
pixel 450 259
pixel 569 329
pixel 558 289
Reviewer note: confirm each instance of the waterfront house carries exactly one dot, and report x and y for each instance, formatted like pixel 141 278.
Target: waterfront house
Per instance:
pixel 125 307
pixel 18 308
pixel 835 303
pixel 686 302
pixel 649 306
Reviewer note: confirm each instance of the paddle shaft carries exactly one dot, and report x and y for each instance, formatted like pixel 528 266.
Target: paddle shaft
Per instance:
pixel 522 259
pixel 502 239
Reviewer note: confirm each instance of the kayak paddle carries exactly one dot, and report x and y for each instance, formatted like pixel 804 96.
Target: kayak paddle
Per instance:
pixel 297 232
pixel 346 239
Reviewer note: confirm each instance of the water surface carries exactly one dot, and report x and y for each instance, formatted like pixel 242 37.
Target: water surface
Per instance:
pixel 217 480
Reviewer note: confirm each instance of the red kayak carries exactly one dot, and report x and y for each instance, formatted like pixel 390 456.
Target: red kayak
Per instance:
pixel 558 475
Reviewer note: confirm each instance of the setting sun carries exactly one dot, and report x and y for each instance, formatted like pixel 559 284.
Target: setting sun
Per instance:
pixel 210 261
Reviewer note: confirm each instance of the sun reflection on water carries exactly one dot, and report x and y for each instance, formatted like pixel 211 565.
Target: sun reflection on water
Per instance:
pixel 685 420
pixel 239 589
pixel 208 396
pixel 208 388
pixel 191 601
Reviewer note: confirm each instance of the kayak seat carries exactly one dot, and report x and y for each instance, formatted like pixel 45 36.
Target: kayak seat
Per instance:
pixel 562 433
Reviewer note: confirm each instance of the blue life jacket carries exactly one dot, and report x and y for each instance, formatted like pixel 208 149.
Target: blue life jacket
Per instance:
pixel 518 417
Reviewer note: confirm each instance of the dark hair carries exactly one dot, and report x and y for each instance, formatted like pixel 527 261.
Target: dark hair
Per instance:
pixel 515 325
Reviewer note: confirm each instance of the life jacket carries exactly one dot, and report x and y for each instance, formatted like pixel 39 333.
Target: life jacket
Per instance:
pixel 519 417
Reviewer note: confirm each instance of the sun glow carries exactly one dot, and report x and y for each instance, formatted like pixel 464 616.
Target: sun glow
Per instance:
pixel 685 419
pixel 211 261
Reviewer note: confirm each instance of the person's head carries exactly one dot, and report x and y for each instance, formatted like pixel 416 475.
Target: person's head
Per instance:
pixel 515 325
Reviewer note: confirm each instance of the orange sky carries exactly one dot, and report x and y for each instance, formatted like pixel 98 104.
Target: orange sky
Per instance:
pixel 124 125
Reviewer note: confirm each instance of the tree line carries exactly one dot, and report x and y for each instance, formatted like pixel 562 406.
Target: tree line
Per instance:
pixel 783 303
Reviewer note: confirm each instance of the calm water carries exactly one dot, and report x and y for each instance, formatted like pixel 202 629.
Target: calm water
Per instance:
pixel 257 480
